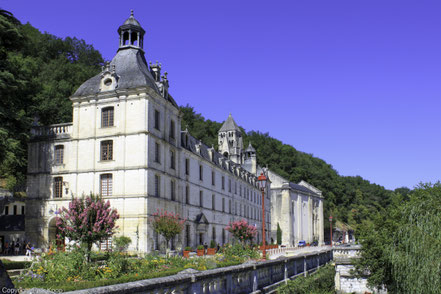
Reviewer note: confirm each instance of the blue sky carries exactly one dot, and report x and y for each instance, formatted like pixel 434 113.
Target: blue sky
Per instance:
pixel 356 83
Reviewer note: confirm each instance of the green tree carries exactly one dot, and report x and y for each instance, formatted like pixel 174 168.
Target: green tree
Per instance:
pixel 167 224
pixel 279 234
pixel 401 247
pixel 38 73
pixel 87 220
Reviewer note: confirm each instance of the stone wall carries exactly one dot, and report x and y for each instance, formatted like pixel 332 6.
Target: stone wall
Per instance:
pixel 253 277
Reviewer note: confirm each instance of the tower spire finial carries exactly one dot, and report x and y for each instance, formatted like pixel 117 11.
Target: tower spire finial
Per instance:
pixel 131 12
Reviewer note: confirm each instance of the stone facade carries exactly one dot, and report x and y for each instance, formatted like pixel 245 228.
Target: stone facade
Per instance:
pixel 345 280
pixel 126 143
pixel 298 209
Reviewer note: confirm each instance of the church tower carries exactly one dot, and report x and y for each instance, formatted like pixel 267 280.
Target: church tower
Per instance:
pixel 230 141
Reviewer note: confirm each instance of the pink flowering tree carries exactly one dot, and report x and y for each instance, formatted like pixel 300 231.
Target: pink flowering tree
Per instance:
pixel 167 224
pixel 241 230
pixel 87 220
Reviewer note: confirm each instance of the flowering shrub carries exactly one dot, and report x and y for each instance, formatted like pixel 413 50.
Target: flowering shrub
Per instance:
pixel 167 224
pixel 87 220
pixel 241 230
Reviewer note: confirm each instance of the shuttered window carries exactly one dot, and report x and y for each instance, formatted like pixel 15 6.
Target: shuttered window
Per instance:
pixel 58 187
pixel 107 117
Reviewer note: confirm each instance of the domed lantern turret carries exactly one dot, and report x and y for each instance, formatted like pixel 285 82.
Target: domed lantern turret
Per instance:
pixel 131 34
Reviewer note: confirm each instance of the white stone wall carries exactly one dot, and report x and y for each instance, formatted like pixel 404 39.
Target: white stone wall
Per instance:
pixel 133 170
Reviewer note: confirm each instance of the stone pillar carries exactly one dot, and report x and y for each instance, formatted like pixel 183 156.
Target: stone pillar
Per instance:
pixel 130 37
pixel 310 220
pixel 139 45
pixel 320 223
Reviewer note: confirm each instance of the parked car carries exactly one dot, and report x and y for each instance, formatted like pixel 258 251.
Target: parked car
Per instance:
pixel 302 243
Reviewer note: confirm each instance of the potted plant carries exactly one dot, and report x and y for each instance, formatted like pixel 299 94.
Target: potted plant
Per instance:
pixel 200 250
pixel 212 249
pixel 187 251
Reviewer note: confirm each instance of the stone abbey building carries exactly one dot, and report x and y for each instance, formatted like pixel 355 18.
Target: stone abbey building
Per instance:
pixel 126 143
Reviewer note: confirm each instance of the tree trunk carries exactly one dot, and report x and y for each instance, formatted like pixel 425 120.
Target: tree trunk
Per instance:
pixel 89 249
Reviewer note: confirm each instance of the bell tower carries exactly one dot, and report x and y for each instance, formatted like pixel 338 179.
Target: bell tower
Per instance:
pixel 230 141
pixel 131 34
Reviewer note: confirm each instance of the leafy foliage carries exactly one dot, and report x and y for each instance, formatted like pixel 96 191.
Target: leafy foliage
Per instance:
pixel 348 199
pixel 321 282
pixel 167 224
pixel 87 220
pixel 241 230
pixel 38 72
pixel 122 243
pixel 279 235
pixel 401 248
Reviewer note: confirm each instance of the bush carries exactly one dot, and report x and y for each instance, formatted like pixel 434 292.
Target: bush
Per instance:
pixel 200 247
pixel 122 243
pixel 213 244
pixel 12 265
pixel 188 248
pixel 240 251
pixel 320 282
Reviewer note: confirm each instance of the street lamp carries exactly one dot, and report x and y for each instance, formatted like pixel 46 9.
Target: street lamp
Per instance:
pixel 262 185
pixel 330 223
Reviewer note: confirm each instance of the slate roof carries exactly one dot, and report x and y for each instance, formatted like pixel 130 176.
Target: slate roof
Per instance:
pixel 131 69
pixel 229 125
pixel 192 144
pixel 250 148
pixel 132 21
pixel 301 188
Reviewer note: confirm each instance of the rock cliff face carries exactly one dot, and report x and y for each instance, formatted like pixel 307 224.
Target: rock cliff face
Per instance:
pixel 5 281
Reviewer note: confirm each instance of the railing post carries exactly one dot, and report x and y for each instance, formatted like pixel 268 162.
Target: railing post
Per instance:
pixel 286 272
pixel 304 266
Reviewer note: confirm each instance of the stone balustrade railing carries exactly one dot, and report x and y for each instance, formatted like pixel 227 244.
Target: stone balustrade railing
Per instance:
pixel 251 277
pixel 57 130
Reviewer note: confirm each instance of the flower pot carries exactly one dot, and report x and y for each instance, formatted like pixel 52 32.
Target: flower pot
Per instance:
pixel 186 253
pixel 200 252
pixel 211 251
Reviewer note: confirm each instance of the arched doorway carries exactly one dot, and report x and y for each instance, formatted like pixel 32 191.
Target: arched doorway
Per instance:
pixel 53 233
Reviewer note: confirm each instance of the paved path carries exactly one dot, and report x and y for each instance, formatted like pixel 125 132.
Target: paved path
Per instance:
pixel 15 257
pixel 299 251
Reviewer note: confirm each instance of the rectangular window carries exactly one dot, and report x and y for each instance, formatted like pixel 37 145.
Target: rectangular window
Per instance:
pixel 213 202
pixel 223 236
pixel 223 204
pixel 157 186
pixel 200 198
pixel 229 204
pixel 213 234
pixel 172 129
pixel 229 185
pixel 58 187
pixel 235 188
pixel 201 173
pixel 213 178
pixel 22 210
pixel 172 190
pixel 106 185
pixel 156 119
pixel 6 210
pixel 187 194
pixel 107 117
pixel 59 154
pixel 223 183
pixel 187 166
pixel 172 159
pixel 15 209
pixel 107 150
pixel 157 153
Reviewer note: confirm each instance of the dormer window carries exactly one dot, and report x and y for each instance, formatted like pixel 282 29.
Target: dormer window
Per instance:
pixel 109 78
